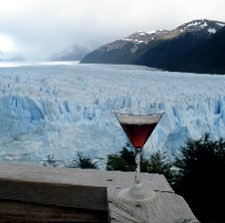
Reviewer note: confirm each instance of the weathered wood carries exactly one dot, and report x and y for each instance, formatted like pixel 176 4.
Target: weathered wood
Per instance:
pixel 76 196
pixel 21 212
pixel 85 194
pixel 38 194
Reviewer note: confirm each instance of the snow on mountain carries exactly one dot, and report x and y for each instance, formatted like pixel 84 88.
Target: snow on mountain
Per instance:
pixel 174 48
pixel 145 37
pixel 201 26
pixel 61 108
pixel 136 39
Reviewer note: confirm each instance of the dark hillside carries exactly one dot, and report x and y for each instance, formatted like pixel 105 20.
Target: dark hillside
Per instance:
pixel 208 57
pixel 197 47
pixel 169 54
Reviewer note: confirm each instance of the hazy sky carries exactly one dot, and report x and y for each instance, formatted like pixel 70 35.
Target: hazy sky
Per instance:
pixel 52 25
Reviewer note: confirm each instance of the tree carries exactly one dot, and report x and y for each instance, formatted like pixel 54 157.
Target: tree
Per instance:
pixel 201 166
pixel 161 164
pixel 125 161
pixel 84 162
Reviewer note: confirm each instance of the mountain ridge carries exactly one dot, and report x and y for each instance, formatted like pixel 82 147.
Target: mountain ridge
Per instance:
pixel 161 49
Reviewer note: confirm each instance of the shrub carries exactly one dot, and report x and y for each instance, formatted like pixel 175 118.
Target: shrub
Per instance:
pixel 125 161
pixel 50 161
pixel 161 164
pixel 201 166
pixel 84 162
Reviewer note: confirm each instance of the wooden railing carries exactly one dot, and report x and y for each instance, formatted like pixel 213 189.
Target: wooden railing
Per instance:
pixel 31 193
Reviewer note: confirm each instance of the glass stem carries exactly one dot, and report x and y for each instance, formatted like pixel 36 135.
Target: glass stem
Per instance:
pixel 138 168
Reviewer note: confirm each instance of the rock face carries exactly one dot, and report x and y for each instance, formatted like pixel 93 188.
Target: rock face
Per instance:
pixel 165 49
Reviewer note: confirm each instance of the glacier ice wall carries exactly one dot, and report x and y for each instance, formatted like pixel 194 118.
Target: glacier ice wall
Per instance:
pixel 60 109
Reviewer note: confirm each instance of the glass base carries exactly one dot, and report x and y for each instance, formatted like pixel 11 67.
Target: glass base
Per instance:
pixel 137 193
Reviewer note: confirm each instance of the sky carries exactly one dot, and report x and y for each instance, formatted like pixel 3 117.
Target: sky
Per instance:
pixel 49 26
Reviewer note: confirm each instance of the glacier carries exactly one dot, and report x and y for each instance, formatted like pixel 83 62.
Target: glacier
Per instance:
pixel 60 108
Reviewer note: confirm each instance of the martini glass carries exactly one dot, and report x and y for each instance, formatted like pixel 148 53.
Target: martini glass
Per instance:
pixel 138 124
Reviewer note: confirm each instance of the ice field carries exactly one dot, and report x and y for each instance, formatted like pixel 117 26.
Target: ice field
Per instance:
pixel 59 109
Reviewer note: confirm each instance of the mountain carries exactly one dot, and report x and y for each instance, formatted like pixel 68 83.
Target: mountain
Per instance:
pixel 208 57
pixel 175 50
pixel 124 50
pixel 75 52
pixel 182 52
pixel 11 56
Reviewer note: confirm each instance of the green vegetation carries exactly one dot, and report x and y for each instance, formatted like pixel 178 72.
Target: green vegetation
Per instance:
pixel 50 161
pixel 201 166
pixel 196 173
pixel 84 162
pixel 125 161
pixel 161 164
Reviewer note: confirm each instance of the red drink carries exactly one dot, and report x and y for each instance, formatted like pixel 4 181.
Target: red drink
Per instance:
pixel 138 124
pixel 138 134
pixel 138 128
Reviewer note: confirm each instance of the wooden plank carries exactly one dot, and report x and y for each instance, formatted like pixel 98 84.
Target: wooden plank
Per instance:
pixel 87 192
pixel 76 196
pixel 21 212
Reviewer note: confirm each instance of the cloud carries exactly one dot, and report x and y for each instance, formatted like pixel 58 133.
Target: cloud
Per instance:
pixel 52 25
